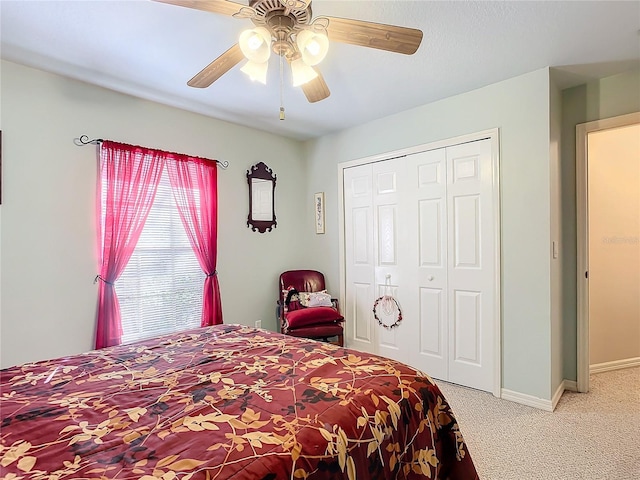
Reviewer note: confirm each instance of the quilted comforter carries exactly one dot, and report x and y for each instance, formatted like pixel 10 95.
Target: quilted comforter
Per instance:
pixel 226 402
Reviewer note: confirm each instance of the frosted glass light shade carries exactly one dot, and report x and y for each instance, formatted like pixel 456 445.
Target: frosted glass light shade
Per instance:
pixel 301 72
pixel 256 71
pixel 313 46
pixel 255 44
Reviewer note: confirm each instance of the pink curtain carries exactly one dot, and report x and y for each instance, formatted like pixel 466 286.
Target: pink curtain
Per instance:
pixel 194 186
pixel 132 175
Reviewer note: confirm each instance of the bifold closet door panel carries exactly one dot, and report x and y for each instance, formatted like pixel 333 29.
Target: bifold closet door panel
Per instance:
pixel 359 258
pixel 471 272
pixel 392 220
pixel 427 268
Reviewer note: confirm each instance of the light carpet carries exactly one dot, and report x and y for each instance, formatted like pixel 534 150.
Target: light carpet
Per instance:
pixel 590 436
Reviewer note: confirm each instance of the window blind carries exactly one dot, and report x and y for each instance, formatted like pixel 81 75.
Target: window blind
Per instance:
pixel 160 289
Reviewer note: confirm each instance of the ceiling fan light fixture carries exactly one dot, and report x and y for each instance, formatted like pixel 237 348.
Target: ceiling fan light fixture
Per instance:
pixel 257 71
pixel 287 28
pixel 313 46
pixel 255 44
pixel 301 72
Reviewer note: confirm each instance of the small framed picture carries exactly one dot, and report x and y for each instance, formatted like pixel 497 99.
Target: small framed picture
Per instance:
pixel 318 208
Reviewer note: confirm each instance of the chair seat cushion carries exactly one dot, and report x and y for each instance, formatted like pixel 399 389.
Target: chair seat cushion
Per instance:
pixel 312 316
pixel 316 331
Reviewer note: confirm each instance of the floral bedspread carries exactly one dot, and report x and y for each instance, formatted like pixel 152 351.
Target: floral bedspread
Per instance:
pixel 226 402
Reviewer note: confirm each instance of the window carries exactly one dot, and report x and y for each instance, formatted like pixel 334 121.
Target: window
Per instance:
pixel 160 289
pixel 157 292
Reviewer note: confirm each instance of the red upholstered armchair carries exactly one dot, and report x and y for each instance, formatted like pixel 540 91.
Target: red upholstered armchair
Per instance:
pixel 316 322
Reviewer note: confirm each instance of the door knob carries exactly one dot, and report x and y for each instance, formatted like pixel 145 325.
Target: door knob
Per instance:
pixel 430 278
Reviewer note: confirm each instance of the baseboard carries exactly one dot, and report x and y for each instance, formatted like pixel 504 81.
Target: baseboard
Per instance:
pixel 528 400
pixel 540 403
pixel 615 365
pixel 557 395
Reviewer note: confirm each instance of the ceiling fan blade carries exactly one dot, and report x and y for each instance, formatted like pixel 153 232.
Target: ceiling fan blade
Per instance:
pixel 224 7
pixel 374 35
pixel 217 68
pixel 316 89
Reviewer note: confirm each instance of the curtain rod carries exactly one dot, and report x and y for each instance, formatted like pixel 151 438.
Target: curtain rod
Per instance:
pixel 84 140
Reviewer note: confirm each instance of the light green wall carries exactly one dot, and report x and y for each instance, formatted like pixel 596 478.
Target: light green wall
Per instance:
pixel 595 100
pixel 519 107
pixel 613 96
pixel 48 257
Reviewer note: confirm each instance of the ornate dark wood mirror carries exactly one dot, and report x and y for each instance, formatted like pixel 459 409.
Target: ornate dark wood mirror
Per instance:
pixel 262 186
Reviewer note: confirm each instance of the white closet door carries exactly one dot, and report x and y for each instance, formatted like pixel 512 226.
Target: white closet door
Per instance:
pixel 425 225
pixel 427 269
pixel 471 273
pixel 359 258
pixel 391 227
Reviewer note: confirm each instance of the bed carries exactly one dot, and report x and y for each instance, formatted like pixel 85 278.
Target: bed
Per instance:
pixel 226 402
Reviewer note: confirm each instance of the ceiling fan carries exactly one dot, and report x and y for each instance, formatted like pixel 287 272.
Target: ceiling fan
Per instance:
pixel 286 27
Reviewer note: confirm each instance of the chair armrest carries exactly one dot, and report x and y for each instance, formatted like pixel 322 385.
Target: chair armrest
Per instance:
pixel 335 304
pixel 280 316
pixel 279 310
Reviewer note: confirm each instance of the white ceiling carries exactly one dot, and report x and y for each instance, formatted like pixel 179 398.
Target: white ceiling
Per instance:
pixel 151 50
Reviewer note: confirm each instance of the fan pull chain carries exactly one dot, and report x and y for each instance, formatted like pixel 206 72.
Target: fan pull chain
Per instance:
pixel 281 88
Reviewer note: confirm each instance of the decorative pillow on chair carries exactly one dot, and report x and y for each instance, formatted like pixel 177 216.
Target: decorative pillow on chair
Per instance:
pixel 311 316
pixel 291 299
pixel 315 299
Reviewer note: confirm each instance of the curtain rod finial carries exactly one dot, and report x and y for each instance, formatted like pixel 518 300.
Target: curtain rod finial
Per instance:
pixel 84 140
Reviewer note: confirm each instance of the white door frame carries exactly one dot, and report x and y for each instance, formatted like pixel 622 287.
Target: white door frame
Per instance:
pixel 582 234
pixel 491 134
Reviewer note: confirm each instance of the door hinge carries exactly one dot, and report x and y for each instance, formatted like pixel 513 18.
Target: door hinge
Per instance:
pixel 586 274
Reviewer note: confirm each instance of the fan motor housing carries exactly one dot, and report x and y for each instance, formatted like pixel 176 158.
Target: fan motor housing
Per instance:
pixel 281 23
pixel 266 9
pixel 272 13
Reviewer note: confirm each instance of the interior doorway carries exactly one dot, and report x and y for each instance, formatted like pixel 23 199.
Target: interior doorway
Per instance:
pixel 608 243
